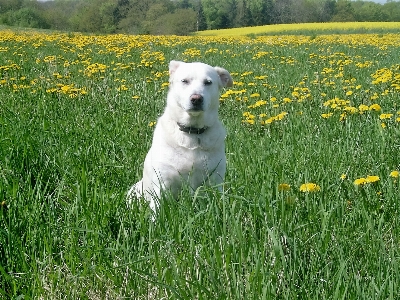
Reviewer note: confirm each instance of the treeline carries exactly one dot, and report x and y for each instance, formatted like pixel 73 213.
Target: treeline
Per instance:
pixel 184 16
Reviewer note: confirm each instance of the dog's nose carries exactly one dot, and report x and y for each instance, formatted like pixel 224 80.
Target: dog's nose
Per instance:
pixel 196 99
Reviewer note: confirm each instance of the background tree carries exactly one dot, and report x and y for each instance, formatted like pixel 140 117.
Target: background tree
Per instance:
pixel 184 16
pixel 219 14
pixel 344 12
pixel 242 14
pixel 392 10
pixel 369 11
pixel 180 22
pixel 260 12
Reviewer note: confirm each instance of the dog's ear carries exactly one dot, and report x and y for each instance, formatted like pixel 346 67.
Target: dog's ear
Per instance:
pixel 173 65
pixel 226 78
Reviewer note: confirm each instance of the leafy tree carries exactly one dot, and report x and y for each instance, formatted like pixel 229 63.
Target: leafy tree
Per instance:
pixel 242 14
pixel 154 14
pixel 260 12
pixel 344 12
pixel 10 5
pixel 219 14
pixel 184 16
pixel 57 13
pixel 327 11
pixel 392 10
pixel 133 14
pixel 87 17
pixel 22 13
pixel 282 11
pixel 180 22
pixel 369 11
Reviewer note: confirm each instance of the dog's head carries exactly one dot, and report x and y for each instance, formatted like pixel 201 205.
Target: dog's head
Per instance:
pixel 195 87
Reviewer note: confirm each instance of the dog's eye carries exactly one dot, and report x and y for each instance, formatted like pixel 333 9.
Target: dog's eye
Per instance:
pixel 207 82
pixel 185 81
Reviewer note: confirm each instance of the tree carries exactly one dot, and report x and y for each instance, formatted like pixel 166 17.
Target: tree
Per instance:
pixel 242 14
pixel 392 10
pixel 260 12
pixel 133 14
pixel 180 22
pixel 151 24
pixel 87 17
pixel 282 12
pixel 219 14
pixel 344 12
pixel 328 10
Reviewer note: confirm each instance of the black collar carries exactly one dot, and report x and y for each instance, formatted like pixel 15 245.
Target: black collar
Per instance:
pixel 191 130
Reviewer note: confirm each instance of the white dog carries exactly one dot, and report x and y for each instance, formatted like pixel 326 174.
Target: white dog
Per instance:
pixel 188 143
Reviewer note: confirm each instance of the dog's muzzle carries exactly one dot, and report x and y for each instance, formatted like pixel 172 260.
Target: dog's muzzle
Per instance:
pixel 196 101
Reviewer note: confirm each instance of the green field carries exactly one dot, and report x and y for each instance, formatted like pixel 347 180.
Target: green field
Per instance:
pixel 308 29
pixel 310 208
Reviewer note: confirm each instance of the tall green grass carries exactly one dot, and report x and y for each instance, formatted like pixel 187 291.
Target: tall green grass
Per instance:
pixel 66 163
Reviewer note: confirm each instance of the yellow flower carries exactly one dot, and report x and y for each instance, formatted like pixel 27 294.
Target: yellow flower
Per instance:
pixel 375 107
pixel 343 176
pixel 363 108
pixel 360 181
pixel 248 115
pixel 151 124
pixel 368 179
pixel 326 116
pixel 283 187
pixel 394 174
pixel 385 116
pixel 281 115
pixel 309 187
pixel 372 179
pixel 249 121
pixel 287 100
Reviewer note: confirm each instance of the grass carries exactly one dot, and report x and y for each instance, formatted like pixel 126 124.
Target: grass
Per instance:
pixel 74 130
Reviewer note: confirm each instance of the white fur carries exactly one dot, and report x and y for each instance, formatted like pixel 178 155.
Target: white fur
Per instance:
pixel 176 156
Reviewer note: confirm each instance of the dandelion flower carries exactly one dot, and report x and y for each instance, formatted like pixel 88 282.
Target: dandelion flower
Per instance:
pixel 283 187
pixel 360 181
pixel 362 108
pixel 343 176
pixel 326 116
pixel 375 107
pixel 394 174
pixel 372 179
pixel 385 116
pixel 368 179
pixel 309 187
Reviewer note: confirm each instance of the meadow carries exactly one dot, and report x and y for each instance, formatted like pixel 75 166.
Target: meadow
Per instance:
pixel 309 29
pixel 310 208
